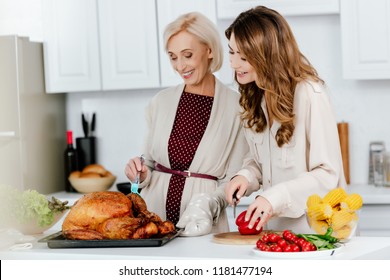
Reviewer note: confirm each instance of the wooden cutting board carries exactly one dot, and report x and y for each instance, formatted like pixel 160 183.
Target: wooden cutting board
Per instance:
pixel 235 238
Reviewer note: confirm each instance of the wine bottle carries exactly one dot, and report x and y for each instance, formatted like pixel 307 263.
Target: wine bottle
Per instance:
pixel 70 161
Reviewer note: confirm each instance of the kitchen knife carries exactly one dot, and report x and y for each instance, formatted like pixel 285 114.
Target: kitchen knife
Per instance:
pixel 235 203
pixel 85 125
pixel 93 123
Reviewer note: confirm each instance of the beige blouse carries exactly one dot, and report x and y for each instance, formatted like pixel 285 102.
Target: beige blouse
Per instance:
pixel 220 152
pixel 310 163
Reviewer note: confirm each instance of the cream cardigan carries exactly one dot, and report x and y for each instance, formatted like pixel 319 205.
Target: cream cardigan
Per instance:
pixel 220 152
pixel 310 163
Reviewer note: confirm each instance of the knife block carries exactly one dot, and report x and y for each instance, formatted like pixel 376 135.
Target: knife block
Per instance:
pixel 86 151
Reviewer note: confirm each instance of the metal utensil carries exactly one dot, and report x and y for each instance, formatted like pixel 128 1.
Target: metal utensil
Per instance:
pixel 135 184
pixel 235 203
pixel 375 147
pixel 84 123
pixel 93 124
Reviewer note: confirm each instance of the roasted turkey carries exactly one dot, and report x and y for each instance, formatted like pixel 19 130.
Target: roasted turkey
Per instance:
pixel 113 215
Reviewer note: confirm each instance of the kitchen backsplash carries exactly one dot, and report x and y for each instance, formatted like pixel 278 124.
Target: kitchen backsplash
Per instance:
pixel 120 124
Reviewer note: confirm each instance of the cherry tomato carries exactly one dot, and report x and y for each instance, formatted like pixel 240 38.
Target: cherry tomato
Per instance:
pixel 267 249
pixel 262 246
pixel 265 238
pixel 259 243
pixel 295 248
pixel 307 247
pixel 288 248
pixel 300 241
pixel 276 248
pixel 282 243
pixel 273 237
pixel 289 236
pixel 286 242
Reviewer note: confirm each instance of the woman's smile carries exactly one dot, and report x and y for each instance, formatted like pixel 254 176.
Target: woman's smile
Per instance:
pixel 188 74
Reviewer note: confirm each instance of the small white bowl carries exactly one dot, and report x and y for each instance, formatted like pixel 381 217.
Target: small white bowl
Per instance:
pixel 32 227
pixel 89 185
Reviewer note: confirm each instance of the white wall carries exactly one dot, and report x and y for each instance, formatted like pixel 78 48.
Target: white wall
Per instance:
pixel 21 17
pixel 120 124
pixel 120 114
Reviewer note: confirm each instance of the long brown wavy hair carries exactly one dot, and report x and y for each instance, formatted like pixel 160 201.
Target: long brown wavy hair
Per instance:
pixel 265 39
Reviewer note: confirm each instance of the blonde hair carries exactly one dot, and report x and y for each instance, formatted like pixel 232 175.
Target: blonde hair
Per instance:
pixel 265 39
pixel 202 28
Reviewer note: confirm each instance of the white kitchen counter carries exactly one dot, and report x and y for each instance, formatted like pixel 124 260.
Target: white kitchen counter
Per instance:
pixel 360 247
pixel 376 208
pixel 369 193
pixel 191 248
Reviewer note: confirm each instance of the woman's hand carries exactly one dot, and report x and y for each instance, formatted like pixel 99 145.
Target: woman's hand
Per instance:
pixel 133 167
pixel 261 208
pixel 239 183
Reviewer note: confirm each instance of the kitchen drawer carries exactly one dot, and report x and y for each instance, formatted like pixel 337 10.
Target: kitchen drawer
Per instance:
pixel 374 220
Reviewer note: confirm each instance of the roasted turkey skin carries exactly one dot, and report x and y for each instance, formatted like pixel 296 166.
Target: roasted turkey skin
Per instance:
pixel 92 210
pixel 113 215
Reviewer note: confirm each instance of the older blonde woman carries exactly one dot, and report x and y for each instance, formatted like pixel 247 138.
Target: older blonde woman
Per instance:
pixel 194 142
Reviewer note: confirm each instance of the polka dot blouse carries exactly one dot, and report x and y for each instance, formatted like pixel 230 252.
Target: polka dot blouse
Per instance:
pixel 192 117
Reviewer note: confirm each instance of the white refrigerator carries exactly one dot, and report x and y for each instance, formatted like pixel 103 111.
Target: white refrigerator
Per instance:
pixel 32 123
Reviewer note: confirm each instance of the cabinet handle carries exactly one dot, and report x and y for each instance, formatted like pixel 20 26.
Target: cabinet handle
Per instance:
pixel 7 134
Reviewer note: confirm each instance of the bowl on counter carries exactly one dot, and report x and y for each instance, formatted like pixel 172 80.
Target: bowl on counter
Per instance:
pixel 88 185
pixel 32 226
pixel 344 224
pixel 124 187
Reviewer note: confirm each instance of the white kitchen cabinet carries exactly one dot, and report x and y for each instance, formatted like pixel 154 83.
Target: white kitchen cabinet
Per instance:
pixel 128 42
pixel 167 11
pixel 71 45
pixel 229 9
pixel 365 34
pixel 100 45
pixel 111 45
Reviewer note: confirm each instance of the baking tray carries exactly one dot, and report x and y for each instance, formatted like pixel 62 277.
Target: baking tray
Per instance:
pixel 57 240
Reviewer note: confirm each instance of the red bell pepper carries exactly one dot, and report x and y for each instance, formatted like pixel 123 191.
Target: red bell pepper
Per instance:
pixel 243 225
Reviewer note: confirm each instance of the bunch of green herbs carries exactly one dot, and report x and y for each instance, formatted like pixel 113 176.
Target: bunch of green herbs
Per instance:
pixel 23 206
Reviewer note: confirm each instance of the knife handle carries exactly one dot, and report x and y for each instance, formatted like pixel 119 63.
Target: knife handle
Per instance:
pixel 93 123
pixel 235 195
pixel 85 125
